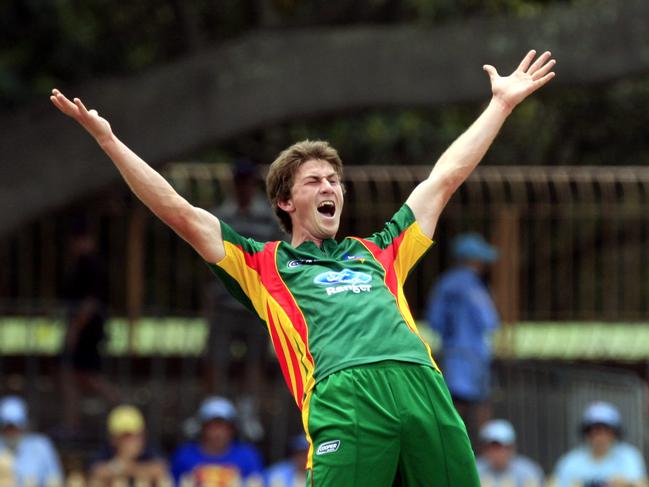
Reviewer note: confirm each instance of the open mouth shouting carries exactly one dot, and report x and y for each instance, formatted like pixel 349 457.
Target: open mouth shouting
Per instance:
pixel 327 208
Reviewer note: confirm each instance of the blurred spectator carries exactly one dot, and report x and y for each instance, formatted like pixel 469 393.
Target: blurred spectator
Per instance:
pixel 85 292
pixel 126 457
pixel 603 460
pixel 499 465
pixel 291 472
pixel 218 458
pixel 461 310
pixel 234 332
pixel 28 459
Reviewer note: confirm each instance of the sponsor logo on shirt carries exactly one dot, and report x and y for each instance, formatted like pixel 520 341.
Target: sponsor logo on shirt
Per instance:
pixel 344 281
pixel 359 258
pixel 298 262
pixel 328 447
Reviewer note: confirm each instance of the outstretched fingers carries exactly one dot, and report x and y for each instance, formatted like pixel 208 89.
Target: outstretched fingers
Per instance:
pixel 540 61
pixel 527 60
pixel 541 81
pixel 62 103
pixel 82 108
pixel 543 70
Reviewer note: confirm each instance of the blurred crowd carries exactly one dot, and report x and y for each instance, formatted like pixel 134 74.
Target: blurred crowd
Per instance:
pixel 218 455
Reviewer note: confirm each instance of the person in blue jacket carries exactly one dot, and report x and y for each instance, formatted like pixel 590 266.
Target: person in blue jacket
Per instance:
pixel 217 458
pixel 462 311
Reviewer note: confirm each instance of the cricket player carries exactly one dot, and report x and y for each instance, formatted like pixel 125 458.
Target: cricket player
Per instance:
pixel 375 408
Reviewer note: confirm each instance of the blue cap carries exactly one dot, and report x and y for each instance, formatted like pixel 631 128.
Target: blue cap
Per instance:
pixel 13 411
pixel 472 246
pixel 498 431
pixel 601 412
pixel 216 407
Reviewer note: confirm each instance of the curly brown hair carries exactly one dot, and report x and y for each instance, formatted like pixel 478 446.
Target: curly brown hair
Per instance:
pixel 279 180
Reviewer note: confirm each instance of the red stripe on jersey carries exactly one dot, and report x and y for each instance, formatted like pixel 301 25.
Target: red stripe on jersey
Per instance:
pixel 299 392
pixel 275 285
pixel 272 327
pixel 386 258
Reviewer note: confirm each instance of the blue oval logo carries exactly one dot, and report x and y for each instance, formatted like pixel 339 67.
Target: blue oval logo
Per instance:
pixel 346 276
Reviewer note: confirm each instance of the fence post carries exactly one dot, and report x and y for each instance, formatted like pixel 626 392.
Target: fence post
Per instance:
pixel 506 273
pixel 135 270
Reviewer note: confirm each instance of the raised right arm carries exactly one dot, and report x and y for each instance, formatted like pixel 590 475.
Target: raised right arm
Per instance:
pixel 198 227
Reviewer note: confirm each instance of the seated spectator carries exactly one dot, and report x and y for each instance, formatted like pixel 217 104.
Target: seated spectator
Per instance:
pixel 27 458
pixel 603 460
pixel 217 458
pixel 499 465
pixel 126 458
pixel 291 472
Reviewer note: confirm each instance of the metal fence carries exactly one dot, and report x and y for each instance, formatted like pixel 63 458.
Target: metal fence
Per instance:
pixel 574 240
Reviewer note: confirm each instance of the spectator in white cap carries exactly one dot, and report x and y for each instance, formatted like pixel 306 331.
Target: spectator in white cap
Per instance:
pixel 603 459
pixel 30 458
pixel 218 457
pixel 499 465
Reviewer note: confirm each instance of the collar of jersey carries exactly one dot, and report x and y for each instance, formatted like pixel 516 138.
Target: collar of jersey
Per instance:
pixel 328 246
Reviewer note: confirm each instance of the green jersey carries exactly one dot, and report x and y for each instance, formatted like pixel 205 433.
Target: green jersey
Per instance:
pixel 333 307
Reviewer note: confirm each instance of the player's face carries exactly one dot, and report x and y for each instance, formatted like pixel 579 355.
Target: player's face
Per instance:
pixel 316 201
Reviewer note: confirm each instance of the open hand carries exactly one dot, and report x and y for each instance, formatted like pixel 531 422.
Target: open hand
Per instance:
pixel 526 79
pixel 90 120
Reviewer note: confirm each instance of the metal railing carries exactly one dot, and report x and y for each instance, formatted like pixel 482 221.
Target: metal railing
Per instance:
pixel 574 240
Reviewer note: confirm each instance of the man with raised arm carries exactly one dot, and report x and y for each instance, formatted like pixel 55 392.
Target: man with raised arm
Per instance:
pixel 375 408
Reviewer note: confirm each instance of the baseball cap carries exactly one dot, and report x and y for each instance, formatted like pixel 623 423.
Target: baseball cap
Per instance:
pixel 217 407
pixel 13 411
pixel 472 246
pixel 498 431
pixel 601 412
pixel 125 419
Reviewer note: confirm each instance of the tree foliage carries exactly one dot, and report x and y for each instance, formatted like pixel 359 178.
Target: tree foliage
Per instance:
pixel 67 42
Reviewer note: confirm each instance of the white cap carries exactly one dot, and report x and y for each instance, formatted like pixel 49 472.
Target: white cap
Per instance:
pixel 601 412
pixel 13 411
pixel 498 431
pixel 216 407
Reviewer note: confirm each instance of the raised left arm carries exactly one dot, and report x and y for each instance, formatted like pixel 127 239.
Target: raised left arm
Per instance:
pixel 429 198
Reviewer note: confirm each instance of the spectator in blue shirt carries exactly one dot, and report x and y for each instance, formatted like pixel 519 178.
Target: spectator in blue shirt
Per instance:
pixel 603 460
pixel 218 458
pixel 290 472
pixel 462 311
pixel 499 465
pixel 30 458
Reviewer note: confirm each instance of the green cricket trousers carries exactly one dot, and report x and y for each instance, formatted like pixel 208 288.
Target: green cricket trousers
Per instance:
pixel 383 425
